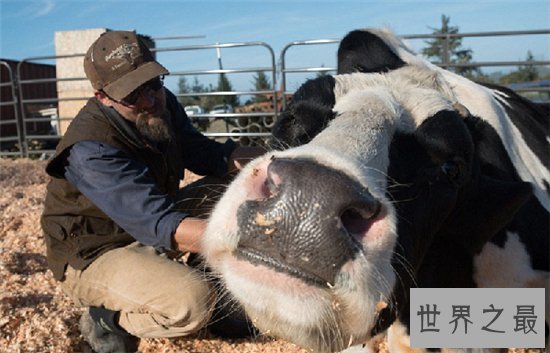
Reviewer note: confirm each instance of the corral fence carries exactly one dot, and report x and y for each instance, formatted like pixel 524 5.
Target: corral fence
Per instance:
pixel 248 127
pixel 10 132
pixel 35 115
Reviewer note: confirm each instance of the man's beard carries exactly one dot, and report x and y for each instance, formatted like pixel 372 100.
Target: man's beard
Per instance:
pixel 152 127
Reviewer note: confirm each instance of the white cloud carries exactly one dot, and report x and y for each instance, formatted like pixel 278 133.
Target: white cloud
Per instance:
pixel 45 8
pixel 29 9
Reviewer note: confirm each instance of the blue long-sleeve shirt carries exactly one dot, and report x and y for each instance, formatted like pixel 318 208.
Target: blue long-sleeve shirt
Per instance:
pixel 124 190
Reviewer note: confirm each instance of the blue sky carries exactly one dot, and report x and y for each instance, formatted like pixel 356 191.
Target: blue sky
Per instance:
pixel 28 27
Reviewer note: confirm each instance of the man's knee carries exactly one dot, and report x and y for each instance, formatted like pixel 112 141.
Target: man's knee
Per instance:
pixel 185 308
pixel 193 310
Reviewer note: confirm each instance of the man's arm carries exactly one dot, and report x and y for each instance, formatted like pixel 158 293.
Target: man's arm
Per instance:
pixel 123 189
pixel 188 235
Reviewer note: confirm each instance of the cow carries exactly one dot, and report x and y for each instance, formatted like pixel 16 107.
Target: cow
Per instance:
pixel 390 175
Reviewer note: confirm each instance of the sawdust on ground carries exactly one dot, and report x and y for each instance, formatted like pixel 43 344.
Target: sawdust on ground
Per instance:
pixel 35 316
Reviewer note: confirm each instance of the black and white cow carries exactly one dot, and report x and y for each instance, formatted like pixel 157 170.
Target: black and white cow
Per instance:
pixel 398 175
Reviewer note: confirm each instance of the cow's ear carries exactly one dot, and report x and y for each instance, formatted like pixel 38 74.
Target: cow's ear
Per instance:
pixel 362 51
pixel 300 123
pixel 488 211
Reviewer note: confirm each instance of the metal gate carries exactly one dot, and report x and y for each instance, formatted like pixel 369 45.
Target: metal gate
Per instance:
pixel 42 119
pixel 248 127
pixel 10 131
pixel 34 101
pixel 287 69
pixel 39 106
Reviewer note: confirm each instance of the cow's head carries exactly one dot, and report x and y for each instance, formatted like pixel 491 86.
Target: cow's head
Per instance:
pixel 320 242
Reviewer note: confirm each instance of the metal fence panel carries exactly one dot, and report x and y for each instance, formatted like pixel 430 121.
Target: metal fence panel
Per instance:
pixel 250 125
pixel 10 131
pixel 36 86
pixel 32 127
pixel 286 69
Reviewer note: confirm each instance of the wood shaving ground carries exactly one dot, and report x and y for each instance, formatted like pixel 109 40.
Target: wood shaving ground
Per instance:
pixel 35 316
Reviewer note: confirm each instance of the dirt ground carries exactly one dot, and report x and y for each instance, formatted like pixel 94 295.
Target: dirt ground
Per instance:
pixel 35 316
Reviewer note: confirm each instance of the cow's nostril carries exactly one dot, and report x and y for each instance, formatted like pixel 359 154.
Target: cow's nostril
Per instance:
pixel 267 189
pixel 358 219
pixel 270 185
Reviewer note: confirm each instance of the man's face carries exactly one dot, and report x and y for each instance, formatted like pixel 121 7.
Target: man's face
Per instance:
pixel 149 98
pixel 145 106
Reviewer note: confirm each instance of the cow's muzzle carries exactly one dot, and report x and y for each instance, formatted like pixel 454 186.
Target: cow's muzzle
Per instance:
pixel 309 222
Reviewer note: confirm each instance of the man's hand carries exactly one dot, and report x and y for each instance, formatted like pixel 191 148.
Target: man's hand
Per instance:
pixel 242 155
pixel 188 235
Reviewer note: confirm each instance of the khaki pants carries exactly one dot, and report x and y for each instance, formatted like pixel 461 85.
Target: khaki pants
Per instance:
pixel 156 296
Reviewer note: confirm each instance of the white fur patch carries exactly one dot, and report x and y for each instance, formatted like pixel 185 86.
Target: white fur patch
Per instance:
pixel 507 267
pixel 510 267
pixel 420 93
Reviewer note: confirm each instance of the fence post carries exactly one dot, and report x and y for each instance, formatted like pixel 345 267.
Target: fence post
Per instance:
pixel 12 82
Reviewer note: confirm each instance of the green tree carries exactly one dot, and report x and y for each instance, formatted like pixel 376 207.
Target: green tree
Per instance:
pixel 261 83
pixel 196 87
pixel 524 73
pixel 203 100
pixel 455 53
pixel 184 88
pixel 225 86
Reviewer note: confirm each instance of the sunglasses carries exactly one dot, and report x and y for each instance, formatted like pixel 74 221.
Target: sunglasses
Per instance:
pixel 152 85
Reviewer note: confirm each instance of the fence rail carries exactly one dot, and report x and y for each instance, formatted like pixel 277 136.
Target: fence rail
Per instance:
pixel 9 100
pixel 26 131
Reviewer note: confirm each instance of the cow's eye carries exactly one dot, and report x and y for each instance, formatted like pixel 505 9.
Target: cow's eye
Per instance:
pixel 452 169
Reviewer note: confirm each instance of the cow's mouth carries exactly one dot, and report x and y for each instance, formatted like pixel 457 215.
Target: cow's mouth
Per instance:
pixel 257 258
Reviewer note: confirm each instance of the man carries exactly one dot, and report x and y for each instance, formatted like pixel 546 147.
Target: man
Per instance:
pixel 114 210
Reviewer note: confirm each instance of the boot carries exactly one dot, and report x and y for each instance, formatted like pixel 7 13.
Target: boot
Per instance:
pixel 100 329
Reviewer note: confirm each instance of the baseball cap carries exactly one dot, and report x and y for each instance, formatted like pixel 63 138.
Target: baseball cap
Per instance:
pixel 118 62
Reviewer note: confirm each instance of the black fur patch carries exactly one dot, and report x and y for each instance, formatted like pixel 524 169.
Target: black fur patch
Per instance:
pixel 308 114
pixel 361 51
pixel 532 222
